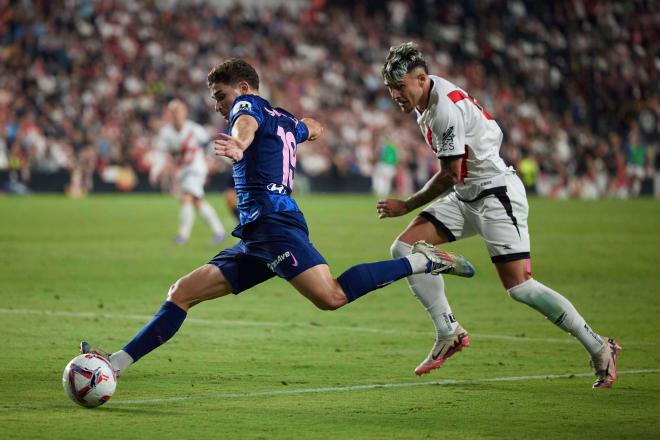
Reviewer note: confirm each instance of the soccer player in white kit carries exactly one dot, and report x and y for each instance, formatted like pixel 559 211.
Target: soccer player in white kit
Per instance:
pixel 185 140
pixel 488 199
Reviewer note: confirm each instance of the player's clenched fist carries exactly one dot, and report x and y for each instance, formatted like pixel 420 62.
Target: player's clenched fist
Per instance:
pixel 391 208
pixel 228 146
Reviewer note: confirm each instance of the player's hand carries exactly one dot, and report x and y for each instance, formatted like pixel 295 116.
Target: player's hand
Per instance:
pixel 314 127
pixel 228 146
pixel 391 208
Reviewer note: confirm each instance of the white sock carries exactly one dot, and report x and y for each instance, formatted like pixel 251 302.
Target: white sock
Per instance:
pixel 209 215
pixel 430 291
pixel 418 262
pixel 186 220
pixel 559 310
pixel 120 361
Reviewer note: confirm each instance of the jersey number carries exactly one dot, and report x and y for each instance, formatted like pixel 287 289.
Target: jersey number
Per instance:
pixel 288 156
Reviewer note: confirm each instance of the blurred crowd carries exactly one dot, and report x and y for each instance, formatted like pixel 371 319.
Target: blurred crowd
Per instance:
pixel 572 83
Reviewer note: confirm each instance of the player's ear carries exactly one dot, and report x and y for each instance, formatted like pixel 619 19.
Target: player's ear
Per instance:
pixel 422 77
pixel 244 87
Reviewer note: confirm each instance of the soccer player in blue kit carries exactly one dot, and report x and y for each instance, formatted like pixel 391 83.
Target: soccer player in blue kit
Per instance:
pixel 273 233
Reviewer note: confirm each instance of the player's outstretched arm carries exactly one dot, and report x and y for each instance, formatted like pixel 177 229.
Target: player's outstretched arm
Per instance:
pixel 438 184
pixel 315 128
pixel 242 135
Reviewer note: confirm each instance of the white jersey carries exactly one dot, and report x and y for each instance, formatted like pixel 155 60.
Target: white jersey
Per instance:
pixel 454 124
pixel 187 145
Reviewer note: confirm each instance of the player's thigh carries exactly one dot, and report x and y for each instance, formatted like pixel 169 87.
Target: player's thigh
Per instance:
pixel 441 222
pixel 501 219
pixel 187 198
pixel 422 229
pixel 192 183
pixel 319 286
pixel 202 284
pixel 241 267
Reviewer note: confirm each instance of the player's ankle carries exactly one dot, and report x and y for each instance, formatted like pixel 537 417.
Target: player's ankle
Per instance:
pixel 120 361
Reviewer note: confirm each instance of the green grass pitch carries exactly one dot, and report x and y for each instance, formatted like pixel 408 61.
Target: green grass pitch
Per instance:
pixel 267 365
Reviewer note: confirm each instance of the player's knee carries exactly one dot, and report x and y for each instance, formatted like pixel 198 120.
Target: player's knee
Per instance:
pixel 178 295
pixel 399 249
pixel 331 301
pixel 523 292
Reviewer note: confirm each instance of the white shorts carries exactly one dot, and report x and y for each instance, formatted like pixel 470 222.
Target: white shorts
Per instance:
pixel 500 218
pixel 193 183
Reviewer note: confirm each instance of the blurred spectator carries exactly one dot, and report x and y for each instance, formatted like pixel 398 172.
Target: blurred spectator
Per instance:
pixel 82 83
pixel 385 170
pixel 528 169
pixel 635 159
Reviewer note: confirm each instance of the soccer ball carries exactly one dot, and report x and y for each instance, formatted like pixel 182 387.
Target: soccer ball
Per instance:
pixel 89 380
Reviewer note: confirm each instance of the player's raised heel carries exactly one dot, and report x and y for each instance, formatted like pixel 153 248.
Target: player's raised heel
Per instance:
pixel 443 349
pixel 605 364
pixel 443 262
pixel 85 348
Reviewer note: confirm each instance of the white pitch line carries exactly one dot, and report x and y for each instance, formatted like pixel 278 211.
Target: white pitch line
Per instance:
pixel 368 387
pixel 227 322
pixel 324 390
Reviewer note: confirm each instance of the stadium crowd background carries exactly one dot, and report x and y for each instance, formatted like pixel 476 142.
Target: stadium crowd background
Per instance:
pixel 573 84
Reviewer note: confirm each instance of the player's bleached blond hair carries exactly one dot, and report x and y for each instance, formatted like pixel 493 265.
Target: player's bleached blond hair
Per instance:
pixel 401 60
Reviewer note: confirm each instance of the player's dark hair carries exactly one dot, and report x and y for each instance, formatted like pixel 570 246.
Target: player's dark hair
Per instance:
pixel 402 59
pixel 232 72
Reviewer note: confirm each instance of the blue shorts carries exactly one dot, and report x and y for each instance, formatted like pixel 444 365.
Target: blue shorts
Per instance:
pixel 276 244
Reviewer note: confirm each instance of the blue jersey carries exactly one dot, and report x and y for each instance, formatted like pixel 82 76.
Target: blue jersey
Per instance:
pixel 264 177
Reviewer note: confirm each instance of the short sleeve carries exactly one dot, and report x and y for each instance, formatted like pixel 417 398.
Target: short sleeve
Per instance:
pixel 246 105
pixel 302 132
pixel 448 130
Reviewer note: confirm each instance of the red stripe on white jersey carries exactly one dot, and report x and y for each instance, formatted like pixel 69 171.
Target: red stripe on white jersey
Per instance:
pixel 429 137
pixel 187 151
pixel 464 171
pixel 457 95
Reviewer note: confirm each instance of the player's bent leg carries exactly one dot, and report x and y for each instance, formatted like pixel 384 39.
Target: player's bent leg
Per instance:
pixel 210 217
pixel 204 283
pixel 559 310
pixel 451 337
pixel 420 229
pixel 513 273
pixel 186 218
pixel 423 235
pixel 319 286
pixel 322 289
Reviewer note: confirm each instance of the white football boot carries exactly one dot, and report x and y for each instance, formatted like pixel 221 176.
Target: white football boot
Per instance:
pixel 443 349
pixel 604 362
pixel 443 262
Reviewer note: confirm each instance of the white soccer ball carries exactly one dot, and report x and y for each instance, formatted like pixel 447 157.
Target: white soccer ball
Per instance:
pixel 89 380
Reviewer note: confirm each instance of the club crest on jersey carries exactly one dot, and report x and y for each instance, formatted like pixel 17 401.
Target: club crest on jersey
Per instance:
pixel 447 143
pixel 241 106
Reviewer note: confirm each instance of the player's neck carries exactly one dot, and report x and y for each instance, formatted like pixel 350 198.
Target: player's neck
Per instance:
pixel 426 96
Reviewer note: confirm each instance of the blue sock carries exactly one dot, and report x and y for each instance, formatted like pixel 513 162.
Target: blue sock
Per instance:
pixel 363 278
pixel 159 330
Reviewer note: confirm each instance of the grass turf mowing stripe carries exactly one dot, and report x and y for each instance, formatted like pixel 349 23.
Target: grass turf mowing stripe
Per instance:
pixel 145 319
pixel 275 393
